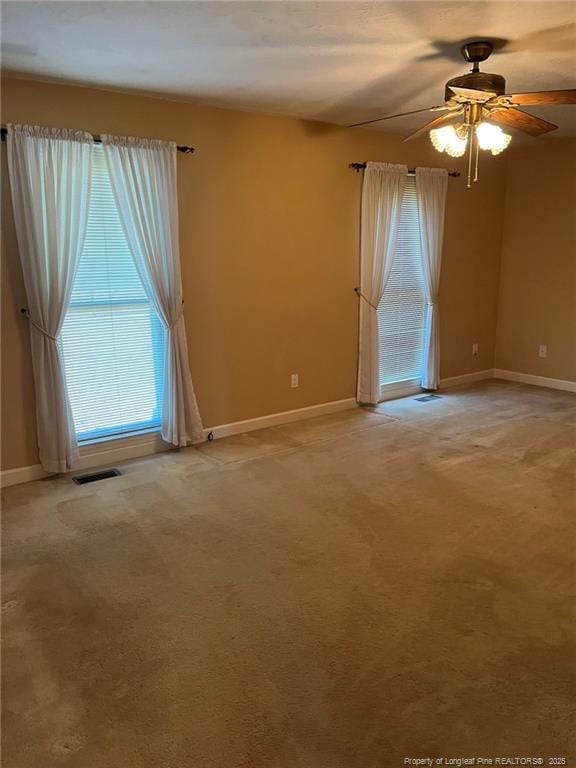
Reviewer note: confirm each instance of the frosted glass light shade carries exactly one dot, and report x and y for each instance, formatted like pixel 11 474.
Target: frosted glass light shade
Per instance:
pixel 446 139
pixel 492 138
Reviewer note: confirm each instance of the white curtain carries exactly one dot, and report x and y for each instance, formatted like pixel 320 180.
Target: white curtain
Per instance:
pixel 50 184
pixel 143 178
pixel 431 186
pixel 382 192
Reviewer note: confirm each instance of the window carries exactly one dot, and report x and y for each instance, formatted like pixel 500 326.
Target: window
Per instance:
pixel 112 339
pixel 402 311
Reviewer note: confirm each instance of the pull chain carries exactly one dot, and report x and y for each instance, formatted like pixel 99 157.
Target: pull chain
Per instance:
pixel 477 152
pixel 470 150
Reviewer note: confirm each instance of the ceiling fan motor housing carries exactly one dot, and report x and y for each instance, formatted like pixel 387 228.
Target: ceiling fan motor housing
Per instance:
pixel 478 81
pixel 476 51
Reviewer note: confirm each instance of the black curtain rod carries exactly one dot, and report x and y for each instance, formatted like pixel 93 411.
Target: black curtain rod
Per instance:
pixel 97 140
pixel 411 171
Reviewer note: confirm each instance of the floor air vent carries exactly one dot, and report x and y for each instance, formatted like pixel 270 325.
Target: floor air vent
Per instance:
pixel 427 398
pixel 94 476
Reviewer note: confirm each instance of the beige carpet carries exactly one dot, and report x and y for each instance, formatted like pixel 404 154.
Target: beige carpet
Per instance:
pixel 337 593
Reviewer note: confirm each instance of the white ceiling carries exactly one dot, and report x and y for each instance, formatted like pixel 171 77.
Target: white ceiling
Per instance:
pixel 339 62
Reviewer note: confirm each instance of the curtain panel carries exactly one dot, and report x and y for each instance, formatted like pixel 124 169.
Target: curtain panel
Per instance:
pixel 143 178
pixel 382 191
pixel 431 187
pixel 49 174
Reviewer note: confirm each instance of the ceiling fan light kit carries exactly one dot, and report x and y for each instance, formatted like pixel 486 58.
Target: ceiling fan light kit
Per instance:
pixel 476 101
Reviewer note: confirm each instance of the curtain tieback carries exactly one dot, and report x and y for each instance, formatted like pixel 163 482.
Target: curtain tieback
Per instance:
pixel 39 327
pixel 432 303
pixel 359 293
pixel 176 321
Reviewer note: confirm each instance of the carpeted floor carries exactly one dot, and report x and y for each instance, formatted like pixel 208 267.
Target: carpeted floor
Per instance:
pixel 343 592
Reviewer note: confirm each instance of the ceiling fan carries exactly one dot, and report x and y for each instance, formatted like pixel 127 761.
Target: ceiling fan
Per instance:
pixel 479 100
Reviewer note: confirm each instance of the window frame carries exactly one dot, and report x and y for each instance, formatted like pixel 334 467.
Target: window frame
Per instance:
pixel 411 384
pixel 150 426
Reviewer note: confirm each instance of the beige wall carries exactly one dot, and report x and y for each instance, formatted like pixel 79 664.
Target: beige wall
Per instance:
pixel 537 303
pixel 269 247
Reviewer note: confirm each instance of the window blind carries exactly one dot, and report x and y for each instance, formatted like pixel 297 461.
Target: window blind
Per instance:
pixel 402 311
pixel 113 342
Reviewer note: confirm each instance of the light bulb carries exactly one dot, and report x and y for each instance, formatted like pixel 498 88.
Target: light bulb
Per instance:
pixel 492 138
pixel 447 139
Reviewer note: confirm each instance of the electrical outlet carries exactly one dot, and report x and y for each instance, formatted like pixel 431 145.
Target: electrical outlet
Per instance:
pixel 294 380
pixel 475 348
pixel 542 350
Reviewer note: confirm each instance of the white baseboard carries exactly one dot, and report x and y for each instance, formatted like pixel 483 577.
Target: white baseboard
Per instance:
pixel 284 417
pixel 92 456
pixel 22 475
pixel 394 391
pixel 537 381
pixel 466 378
pixel 97 455
pixel 115 452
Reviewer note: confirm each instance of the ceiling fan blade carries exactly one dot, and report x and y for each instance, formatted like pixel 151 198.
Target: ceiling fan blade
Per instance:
pixel 436 123
pixel 516 118
pixel 471 93
pixel 400 114
pixel 567 96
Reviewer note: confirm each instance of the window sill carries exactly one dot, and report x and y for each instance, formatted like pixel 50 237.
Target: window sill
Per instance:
pixel 126 443
pixel 125 448
pixel 400 389
pixel 117 438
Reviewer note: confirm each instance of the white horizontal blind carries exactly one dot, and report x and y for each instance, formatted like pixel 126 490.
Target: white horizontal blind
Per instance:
pixel 401 313
pixel 112 339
